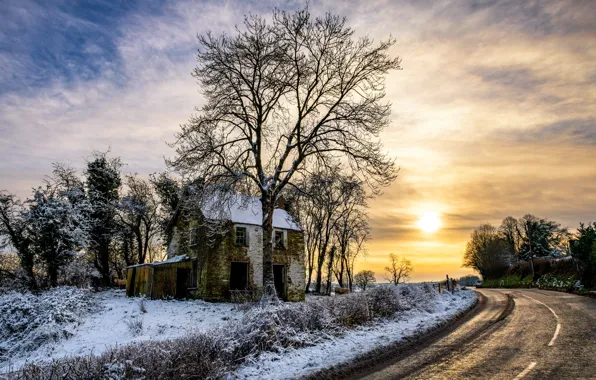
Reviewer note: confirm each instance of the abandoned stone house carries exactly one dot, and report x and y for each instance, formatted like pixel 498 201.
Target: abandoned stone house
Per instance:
pixel 231 263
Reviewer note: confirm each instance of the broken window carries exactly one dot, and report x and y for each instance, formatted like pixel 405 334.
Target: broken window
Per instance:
pixel 241 237
pixel 278 240
pixel 192 237
pixel 239 276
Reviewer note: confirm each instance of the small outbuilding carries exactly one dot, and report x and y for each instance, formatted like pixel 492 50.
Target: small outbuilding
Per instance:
pixel 166 279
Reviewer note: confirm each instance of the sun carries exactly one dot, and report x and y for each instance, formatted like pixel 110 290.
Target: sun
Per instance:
pixel 429 222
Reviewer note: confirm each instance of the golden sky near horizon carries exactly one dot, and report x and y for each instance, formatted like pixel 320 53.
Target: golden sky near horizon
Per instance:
pixel 494 113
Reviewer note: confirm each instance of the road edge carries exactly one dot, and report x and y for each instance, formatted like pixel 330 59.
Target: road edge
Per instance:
pixel 399 349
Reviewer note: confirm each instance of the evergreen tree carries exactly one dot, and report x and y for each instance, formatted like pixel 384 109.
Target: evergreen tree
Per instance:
pixel 103 183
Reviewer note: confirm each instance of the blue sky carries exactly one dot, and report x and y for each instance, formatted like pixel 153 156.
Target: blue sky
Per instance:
pixel 493 113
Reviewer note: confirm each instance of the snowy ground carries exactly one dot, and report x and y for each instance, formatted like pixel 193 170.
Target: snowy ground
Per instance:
pixel 354 343
pixel 106 318
pixel 108 326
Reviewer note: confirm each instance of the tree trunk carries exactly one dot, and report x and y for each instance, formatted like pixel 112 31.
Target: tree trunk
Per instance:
pixel 320 262
pixel 268 282
pixel 53 273
pixel 532 261
pixel 330 270
pixel 27 264
pixel 340 277
pixel 309 279
pixel 104 261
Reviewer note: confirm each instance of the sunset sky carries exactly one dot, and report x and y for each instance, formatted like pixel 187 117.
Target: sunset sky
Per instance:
pixel 494 112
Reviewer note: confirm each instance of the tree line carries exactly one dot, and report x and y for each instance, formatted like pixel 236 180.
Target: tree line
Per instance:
pixel 518 243
pixel 76 226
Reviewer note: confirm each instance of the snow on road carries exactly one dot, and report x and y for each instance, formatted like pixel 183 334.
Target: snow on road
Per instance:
pixel 108 327
pixel 354 343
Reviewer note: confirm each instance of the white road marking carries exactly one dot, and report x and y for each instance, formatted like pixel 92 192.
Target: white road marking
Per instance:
pixel 523 373
pixel 558 328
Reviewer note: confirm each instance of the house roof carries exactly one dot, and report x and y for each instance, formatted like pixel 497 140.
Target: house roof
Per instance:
pixel 171 260
pixel 247 210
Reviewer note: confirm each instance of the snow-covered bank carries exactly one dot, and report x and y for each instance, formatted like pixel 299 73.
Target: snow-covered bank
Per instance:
pixel 215 340
pixel 81 322
pixel 354 343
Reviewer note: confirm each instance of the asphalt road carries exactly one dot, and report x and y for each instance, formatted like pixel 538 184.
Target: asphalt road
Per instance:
pixel 529 334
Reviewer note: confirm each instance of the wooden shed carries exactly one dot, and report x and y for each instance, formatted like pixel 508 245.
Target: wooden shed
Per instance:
pixel 172 278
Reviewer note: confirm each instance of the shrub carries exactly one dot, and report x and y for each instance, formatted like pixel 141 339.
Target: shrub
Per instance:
pixel 28 321
pixel 417 297
pixel 135 325
pixel 142 305
pixel 383 301
pixel 350 309
pixel 553 281
pixel 511 281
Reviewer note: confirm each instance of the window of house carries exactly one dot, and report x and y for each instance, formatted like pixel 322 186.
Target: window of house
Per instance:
pixel 278 239
pixel 192 237
pixel 241 236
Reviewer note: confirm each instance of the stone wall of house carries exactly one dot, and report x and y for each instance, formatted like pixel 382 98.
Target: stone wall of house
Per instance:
pixel 213 261
pixel 293 258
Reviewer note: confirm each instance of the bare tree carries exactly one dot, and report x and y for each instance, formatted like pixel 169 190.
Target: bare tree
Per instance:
pixel 487 252
pixel 351 231
pixel 138 213
pixel 398 270
pixel 363 278
pixel 283 96
pixel 15 234
pixel 510 232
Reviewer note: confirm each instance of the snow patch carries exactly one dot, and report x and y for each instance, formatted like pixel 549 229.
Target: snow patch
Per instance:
pixel 102 321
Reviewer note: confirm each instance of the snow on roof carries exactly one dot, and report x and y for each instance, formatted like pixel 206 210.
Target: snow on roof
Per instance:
pixel 171 260
pixel 247 210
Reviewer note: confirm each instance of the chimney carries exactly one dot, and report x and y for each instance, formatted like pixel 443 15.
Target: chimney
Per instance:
pixel 280 203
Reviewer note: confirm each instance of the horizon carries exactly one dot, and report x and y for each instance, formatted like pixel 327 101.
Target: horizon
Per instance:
pixel 492 114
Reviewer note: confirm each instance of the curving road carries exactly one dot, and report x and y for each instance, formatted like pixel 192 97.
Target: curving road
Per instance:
pixel 517 333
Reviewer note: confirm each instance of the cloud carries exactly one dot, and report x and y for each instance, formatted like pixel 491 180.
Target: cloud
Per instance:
pixel 564 132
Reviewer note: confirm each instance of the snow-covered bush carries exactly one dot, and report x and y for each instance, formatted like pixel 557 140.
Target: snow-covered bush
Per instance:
pixel 28 320
pixel 135 325
pixel 383 301
pixel 142 304
pixel 420 297
pixel 276 327
pixel 350 309
pixel 553 281
pixel 198 356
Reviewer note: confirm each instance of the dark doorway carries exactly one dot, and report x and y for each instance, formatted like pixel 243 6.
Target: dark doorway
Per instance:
pixel 279 279
pixel 239 276
pixel 182 282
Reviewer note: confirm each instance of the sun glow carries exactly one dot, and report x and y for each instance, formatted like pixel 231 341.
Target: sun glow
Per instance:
pixel 429 222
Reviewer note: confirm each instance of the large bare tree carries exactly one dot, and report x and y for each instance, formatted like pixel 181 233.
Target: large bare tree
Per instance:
pixel 282 96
